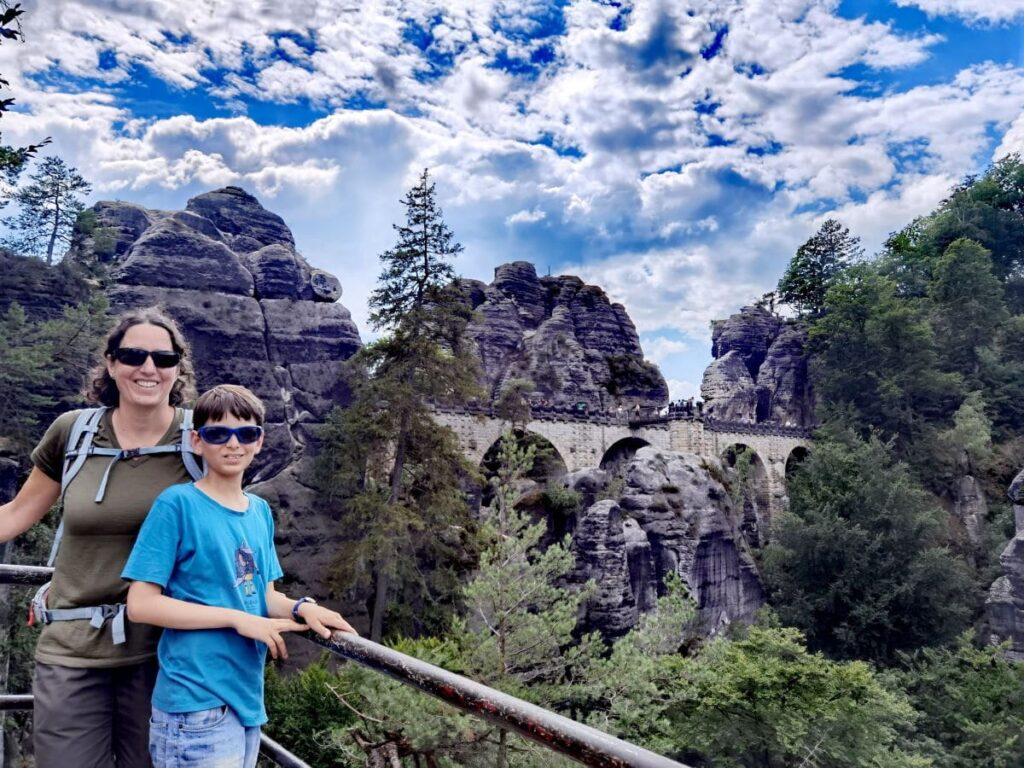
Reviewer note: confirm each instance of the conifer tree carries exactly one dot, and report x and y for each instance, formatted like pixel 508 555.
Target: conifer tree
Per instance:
pixel 815 265
pixel 397 473
pixel 48 208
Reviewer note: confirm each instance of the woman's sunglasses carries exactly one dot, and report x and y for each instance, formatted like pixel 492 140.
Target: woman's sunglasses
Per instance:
pixel 220 435
pixel 135 356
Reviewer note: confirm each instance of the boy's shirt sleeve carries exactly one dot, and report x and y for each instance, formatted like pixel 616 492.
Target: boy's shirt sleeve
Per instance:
pixel 156 549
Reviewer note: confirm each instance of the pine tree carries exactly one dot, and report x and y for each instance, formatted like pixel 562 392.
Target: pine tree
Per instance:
pixel 397 473
pixel 815 266
pixel 520 620
pixel 49 207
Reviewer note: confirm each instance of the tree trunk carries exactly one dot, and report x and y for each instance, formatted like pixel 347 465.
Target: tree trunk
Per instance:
pixel 382 580
pixel 380 602
pixel 56 228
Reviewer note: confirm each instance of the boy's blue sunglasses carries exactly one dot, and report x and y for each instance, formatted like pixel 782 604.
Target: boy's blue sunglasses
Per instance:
pixel 220 435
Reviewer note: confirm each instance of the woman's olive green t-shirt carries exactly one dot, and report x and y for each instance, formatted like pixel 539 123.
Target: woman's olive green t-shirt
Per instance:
pixel 97 541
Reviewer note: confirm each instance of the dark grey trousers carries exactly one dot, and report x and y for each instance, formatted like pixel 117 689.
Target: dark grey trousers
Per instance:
pixel 92 718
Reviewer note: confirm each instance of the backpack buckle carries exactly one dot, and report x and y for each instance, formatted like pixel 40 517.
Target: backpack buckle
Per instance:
pixel 131 453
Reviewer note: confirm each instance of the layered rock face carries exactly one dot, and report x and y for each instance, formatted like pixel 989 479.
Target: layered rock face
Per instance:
pixel 673 516
pixel 1005 603
pixel 759 373
pixel 565 336
pixel 255 314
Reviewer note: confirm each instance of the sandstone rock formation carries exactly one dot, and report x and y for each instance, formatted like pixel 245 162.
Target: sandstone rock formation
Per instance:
pixel 673 516
pixel 1005 603
pixel 759 373
pixel 565 336
pixel 256 314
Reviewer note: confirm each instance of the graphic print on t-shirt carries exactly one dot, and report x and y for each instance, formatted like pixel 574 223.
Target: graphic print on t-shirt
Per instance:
pixel 245 570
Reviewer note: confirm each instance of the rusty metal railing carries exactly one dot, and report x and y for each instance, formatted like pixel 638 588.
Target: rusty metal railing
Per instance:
pixel 579 742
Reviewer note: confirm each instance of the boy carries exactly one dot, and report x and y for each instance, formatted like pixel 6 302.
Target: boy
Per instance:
pixel 204 567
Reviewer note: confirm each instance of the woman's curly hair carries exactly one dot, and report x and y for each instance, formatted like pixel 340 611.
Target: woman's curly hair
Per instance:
pixel 102 388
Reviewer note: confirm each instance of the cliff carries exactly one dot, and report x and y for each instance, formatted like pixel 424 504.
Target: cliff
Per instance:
pixel 673 515
pixel 760 371
pixel 565 336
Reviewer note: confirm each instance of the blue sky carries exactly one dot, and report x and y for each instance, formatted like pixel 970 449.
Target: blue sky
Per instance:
pixel 674 152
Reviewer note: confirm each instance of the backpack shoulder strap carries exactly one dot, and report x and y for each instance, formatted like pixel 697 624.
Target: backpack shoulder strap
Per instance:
pixel 188 457
pixel 76 451
pixel 79 443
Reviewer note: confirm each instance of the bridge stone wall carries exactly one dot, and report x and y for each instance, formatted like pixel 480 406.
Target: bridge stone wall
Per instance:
pixel 582 441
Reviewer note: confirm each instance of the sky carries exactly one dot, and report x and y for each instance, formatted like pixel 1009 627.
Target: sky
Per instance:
pixel 674 152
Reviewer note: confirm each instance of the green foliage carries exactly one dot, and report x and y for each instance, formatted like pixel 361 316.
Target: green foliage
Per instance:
pixel 631 691
pixel 305 711
pixel 513 403
pixel 859 562
pixel 875 355
pixel 968 443
pixel 972 705
pixel 968 302
pixel 631 375
pixel 42 359
pixel 47 209
pixel 104 239
pixel 765 701
pixel 27 367
pixel 815 267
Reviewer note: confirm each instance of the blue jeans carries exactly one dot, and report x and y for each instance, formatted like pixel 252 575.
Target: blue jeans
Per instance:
pixel 209 738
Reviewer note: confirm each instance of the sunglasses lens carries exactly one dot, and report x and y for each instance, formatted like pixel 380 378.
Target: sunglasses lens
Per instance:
pixel 248 434
pixel 131 355
pixel 164 359
pixel 221 435
pixel 136 356
pixel 215 435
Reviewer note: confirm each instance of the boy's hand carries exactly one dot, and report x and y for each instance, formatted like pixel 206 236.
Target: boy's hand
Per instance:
pixel 267 631
pixel 323 620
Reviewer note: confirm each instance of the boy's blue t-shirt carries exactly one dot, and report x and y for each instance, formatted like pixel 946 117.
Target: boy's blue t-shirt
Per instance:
pixel 203 552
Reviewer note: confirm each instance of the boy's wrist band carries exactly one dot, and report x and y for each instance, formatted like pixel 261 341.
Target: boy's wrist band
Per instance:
pixel 295 608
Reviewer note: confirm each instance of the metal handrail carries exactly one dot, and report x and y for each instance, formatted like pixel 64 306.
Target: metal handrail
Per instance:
pixel 582 743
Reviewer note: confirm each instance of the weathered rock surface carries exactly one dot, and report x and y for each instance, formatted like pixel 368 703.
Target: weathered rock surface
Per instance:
pixel 1005 603
pixel 673 516
pixel 565 336
pixel 760 371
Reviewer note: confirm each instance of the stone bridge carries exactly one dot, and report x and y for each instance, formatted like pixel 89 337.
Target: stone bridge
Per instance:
pixel 595 440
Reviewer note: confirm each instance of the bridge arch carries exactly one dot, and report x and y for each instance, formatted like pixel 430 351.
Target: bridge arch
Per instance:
pixel 751 491
pixel 796 457
pixel 549 463
pixel 621 452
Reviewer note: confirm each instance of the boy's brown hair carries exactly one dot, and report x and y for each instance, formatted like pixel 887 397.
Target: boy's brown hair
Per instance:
pixel 215 404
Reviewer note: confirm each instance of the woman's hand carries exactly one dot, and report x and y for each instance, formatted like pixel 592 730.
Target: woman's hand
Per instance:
pixel 267 631
pixel 323 620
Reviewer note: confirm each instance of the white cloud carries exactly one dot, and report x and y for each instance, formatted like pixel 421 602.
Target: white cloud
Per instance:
pixel 680 389
pixel 660 348
pixel 526 217
pixel 972 10
pixel 680 184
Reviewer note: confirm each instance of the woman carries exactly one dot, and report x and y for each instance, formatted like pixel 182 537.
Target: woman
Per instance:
pixel 92 694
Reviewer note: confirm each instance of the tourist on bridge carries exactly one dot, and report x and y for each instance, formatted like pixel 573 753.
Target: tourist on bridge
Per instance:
pixel 94 670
